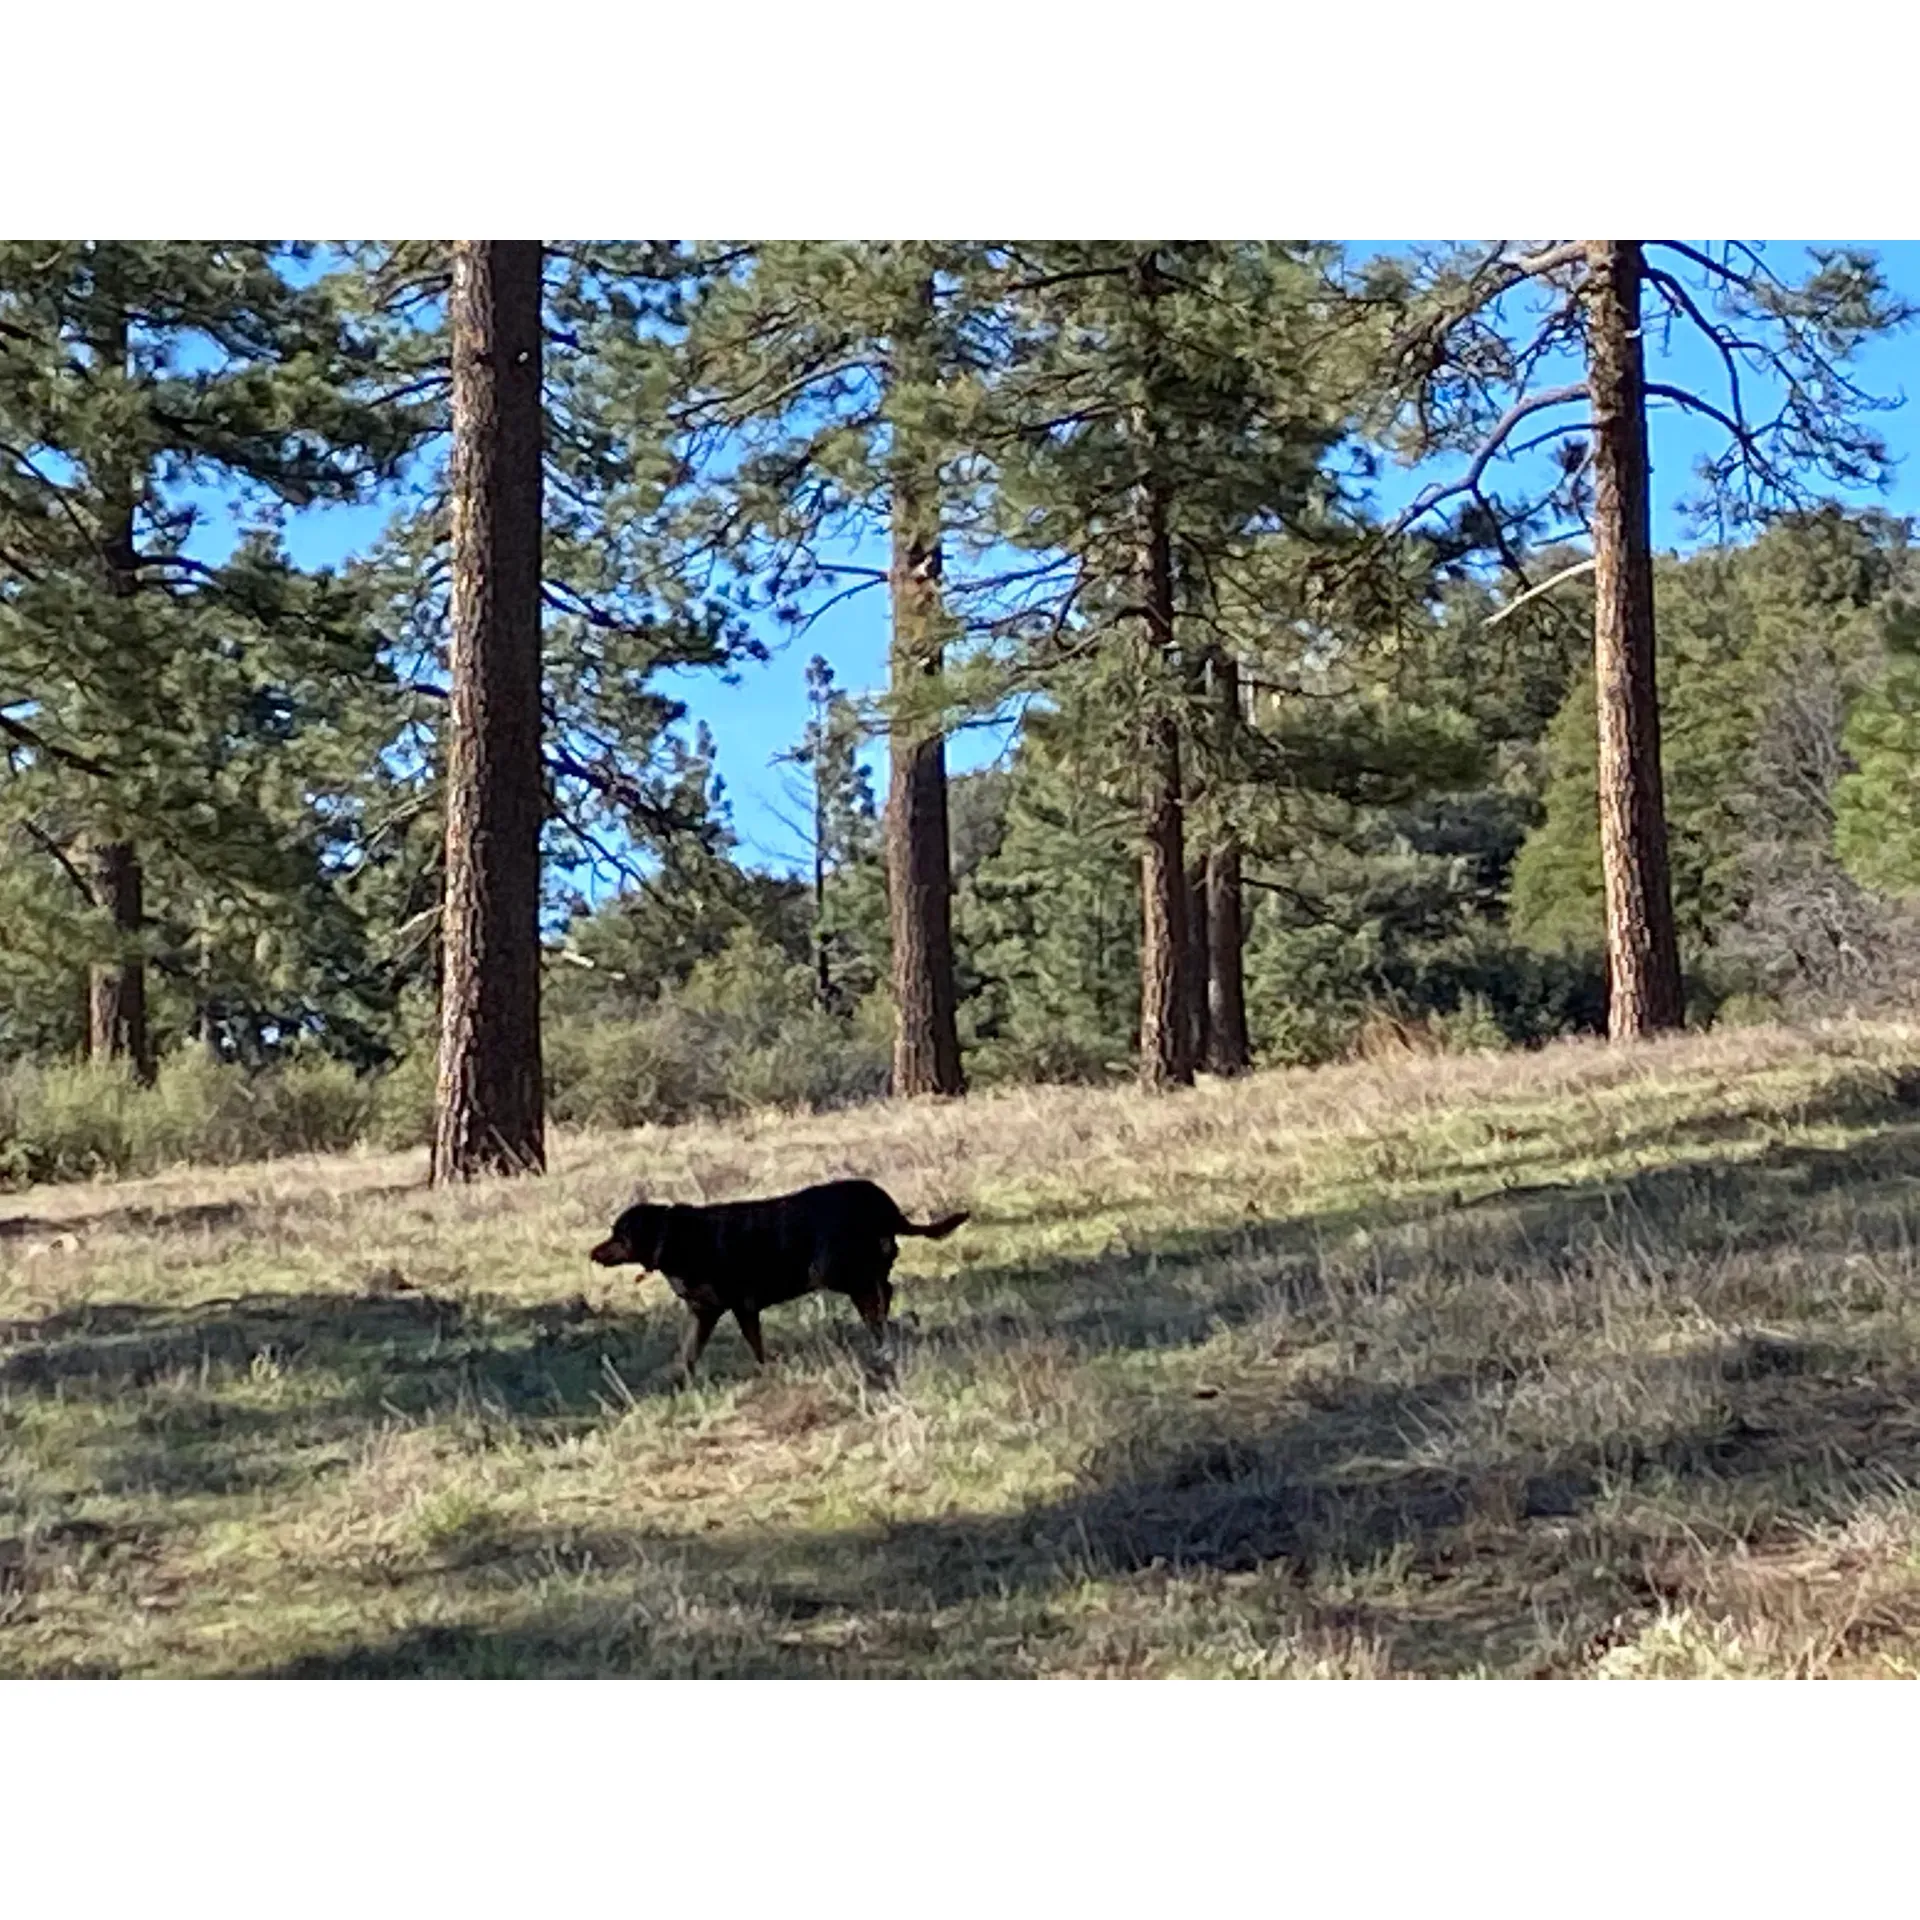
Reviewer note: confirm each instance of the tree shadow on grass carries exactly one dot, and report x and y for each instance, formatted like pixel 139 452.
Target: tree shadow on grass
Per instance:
pixel 1885 1102
pixel 198 1215
pixel 383 1354
pixel 1306 1498
pixel 1186 1287
pixel 204 1213
pixel 1287 1525
pixel 408 1352
pixel 1336 1518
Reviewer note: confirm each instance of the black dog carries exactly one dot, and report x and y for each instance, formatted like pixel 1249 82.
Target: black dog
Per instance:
pixel 742 1255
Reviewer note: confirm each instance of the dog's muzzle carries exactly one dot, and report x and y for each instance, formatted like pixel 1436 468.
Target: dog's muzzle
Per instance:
pixel 612 1253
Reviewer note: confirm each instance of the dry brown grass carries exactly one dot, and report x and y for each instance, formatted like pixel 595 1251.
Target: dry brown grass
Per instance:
pixel 1575 1363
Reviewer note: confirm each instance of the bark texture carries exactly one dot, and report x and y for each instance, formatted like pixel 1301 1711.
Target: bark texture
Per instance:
pixel 1166 944
pixel 117 993
pixel 1228 1050
pixel 117 989
pixel 489 1114
pixel 926 1040
pixel 1643 956
pixel 1199 943
pixel 1166 1057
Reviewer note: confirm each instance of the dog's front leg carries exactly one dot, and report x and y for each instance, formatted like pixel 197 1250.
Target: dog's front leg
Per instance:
pixel 749 1321
pixel 705 1319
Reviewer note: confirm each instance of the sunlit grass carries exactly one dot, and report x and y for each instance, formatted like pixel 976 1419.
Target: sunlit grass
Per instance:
pixel 1577 1362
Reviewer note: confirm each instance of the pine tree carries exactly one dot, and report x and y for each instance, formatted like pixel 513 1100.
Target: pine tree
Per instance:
pixel 1049 918
pixel 622 601
pixel 1169 985
pixel 1876 815
pixel 618 602
pixel 1164 409
pixel 1772 657
pixel 1643 954
pixel 1475 380
pixel 838 830
pixel 488 1104
pixel 1228 1048
pixel 820 388
pixel 926 1048
pixel 136 675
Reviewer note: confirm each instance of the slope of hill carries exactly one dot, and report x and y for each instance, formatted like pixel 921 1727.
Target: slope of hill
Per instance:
pixel 1568 1363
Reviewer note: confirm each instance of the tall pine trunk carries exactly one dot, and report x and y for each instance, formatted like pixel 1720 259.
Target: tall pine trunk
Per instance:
pixel 1643 956
pixel 489 1114
pixel 926 1039
pixel 117 989
pixel 1199 948
pixel 1227 1049
pixel 1166 945
pixel 1166 1059
pixel 1195 826
pixel 822 947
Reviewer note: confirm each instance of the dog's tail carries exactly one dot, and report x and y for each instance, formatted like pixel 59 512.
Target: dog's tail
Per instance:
pixel 935 1229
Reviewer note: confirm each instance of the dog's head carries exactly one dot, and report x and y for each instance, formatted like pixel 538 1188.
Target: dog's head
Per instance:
pixel 636 1239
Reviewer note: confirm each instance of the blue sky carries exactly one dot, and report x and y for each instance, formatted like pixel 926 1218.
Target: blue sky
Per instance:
pixel 763 715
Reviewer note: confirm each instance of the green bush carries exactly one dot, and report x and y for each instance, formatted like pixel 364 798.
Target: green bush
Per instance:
pixel 402 1102
pixel 816 1061
pixel 1064 1058
pixel 657 1068
pixel 1309 1034
pixel 1747 1010
pixel 67 1123
pixel 200 1110
pixel 1472 1027
pixel 77 1122
pixel 734 1038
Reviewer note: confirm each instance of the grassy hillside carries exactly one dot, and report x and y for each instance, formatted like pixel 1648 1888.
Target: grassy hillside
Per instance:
pixel 1574 1363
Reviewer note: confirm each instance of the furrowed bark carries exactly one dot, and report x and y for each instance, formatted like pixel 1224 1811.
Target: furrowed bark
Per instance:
pixel 1643 957
pixel 926 1043
pixel 489 1112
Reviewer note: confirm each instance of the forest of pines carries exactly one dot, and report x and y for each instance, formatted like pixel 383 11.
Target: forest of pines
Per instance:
pixel 1342 695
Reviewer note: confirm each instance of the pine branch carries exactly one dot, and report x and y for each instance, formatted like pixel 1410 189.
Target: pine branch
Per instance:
pixel 1746 441
pixel 1718 268
pixel 30 737
pixel 833 600
pixel 1725 343
pixel 624 867
pixel 745 402
pixel 1469 483
pixel 610 784
pixel 57 853
pixel 52 487
pixel 1310 908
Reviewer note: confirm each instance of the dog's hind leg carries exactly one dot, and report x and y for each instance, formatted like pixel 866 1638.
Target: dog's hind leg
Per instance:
pixel 873 1307
pixel 749 1319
